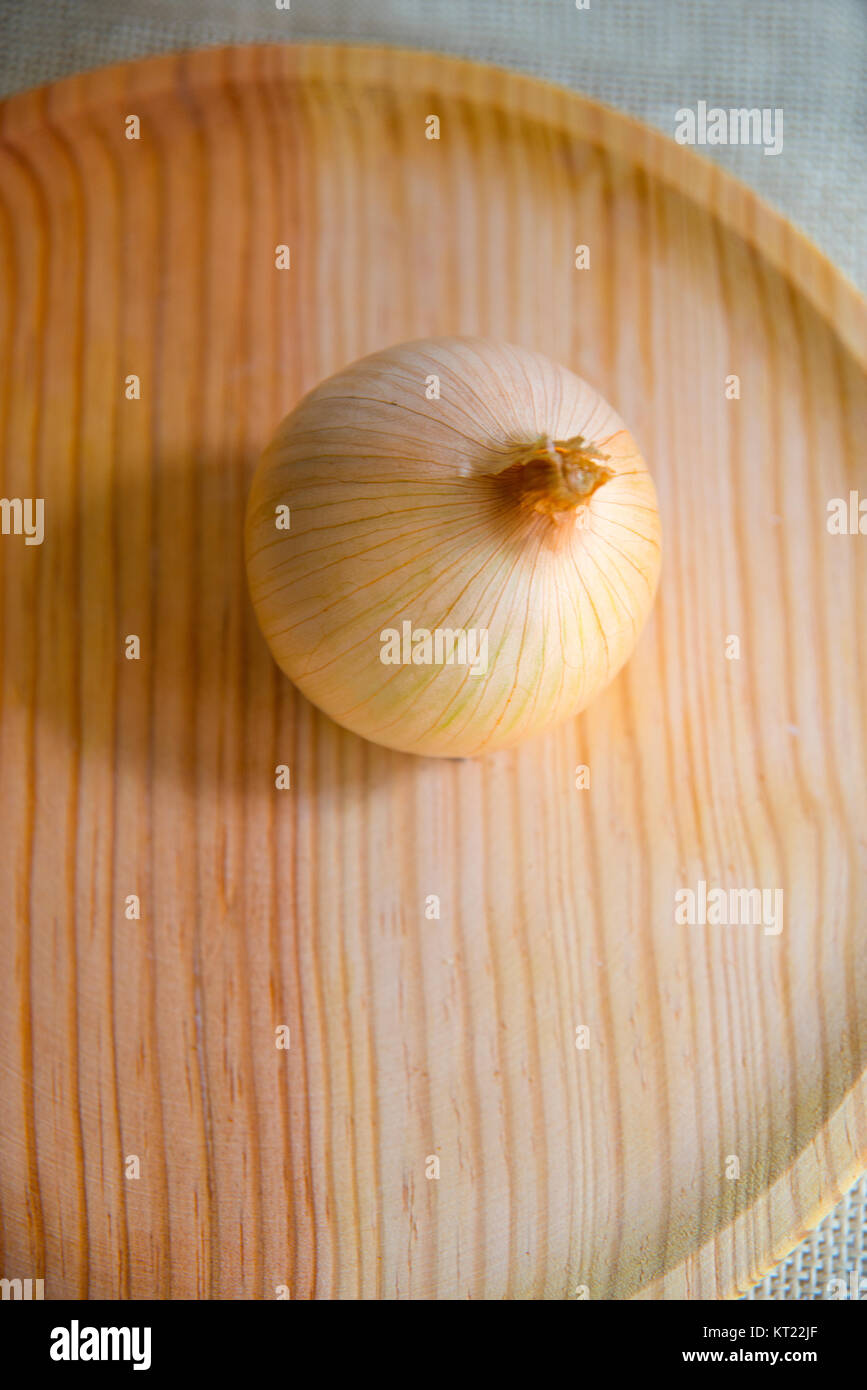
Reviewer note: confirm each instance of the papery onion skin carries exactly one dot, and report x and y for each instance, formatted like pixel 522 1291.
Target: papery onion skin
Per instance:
pixel 515 504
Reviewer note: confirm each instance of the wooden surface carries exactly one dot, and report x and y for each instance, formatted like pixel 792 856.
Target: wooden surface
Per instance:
pixel 560 1168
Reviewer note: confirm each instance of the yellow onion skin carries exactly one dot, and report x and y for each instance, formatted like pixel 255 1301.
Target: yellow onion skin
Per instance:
pixel 445 513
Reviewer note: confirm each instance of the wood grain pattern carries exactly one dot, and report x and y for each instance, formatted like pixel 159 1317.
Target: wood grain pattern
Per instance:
pixel 560 1167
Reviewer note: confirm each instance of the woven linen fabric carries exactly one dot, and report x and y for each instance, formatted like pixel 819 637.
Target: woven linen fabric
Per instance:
pixel 649 58
pixel 832 1262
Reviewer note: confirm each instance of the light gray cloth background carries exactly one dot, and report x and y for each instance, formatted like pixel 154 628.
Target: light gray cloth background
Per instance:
pixel 648 57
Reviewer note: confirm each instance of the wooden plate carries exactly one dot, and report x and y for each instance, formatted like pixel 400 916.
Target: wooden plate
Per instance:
pixel 721 1105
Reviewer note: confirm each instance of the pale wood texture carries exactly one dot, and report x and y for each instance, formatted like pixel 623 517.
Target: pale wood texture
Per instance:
pixel 560 1167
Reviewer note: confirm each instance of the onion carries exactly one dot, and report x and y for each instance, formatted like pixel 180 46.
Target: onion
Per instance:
pixel 451 545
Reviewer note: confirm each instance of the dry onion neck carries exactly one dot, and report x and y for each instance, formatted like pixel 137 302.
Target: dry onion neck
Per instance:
pixel 556 477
